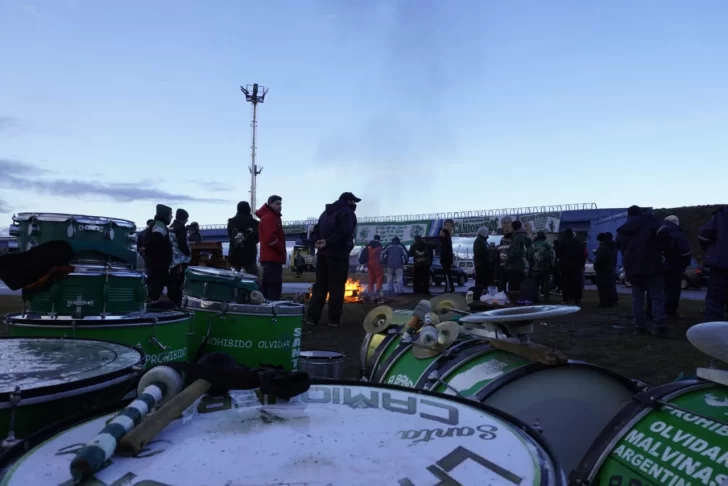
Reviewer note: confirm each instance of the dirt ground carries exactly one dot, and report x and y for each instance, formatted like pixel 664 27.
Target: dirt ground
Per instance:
pixel 587 335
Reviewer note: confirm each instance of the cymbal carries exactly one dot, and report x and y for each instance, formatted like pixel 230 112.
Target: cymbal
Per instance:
pixel 448 332
pixel 378 319
pixel 442 304
pixel 434 318
pixel 711 338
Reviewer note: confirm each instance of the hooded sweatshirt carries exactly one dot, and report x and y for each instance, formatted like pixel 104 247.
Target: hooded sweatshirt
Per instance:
pixel 272 238
pixel 243 233
pixel 677 249
pixel 336 225
pixel 641 249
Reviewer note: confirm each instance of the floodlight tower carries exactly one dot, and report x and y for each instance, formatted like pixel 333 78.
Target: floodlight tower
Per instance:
pixel 254 94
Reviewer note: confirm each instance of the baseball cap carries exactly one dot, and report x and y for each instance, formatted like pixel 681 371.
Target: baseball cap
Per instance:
pixel 347 196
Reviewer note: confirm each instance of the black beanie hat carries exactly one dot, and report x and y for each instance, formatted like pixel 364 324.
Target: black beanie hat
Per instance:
pixel 182 215
pixel 244 207
pixel 163 211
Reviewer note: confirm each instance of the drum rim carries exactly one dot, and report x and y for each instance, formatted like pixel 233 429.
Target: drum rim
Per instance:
pixel 475 348
pixel 119 320
pixel 290 308
pixel 44 391
pixel 337 356
pixel 624 421
pixel 27 445
pixel 27 216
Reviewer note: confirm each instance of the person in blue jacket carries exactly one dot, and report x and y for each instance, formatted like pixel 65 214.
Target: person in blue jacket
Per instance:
pixel 334 241
pixel 713 238
pixel 641 249
pixel 395 256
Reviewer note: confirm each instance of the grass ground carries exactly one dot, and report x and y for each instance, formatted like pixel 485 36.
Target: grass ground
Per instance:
pixel 587 335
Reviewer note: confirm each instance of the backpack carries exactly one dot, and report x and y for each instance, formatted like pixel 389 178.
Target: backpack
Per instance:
pixel 364 256
pixel 541 258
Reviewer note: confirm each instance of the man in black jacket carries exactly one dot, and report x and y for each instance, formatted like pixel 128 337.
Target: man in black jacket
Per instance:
pixel 159 252
pixel 334 241
pixel 142 236
pixel 420 252
pixel 447 256
pixel 571 264
pixel 243 232
pixel 181 256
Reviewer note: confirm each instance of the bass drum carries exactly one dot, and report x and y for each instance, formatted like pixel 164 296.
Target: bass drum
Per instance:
pixel 572 403
pixel 372 341
pixel 651 443
pixel 43 381
pixel 410 438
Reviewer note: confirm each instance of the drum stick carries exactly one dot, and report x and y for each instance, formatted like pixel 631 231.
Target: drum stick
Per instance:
pixel 92 457
pixel 133 442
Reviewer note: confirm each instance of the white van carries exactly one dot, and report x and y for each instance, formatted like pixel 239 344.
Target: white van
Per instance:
pixel 468 267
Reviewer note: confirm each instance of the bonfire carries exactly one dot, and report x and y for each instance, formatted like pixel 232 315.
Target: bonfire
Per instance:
pixel 352 291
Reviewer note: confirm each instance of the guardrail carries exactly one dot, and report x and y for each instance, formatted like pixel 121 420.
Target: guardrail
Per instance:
pixel 431 216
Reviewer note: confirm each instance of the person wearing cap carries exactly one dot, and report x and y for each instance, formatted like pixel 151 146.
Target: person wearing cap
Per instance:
pixel 272 247
pixel 334 241
pixel 713 238
pixel 193 233
pixel 181 256
pixel 676 257
pixel 243 233
pixel 159 252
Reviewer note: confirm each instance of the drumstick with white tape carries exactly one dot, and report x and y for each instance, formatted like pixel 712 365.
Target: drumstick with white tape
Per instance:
pixel 157 386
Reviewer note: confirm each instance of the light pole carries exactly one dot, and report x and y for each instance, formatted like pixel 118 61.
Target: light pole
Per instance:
pixel 254 94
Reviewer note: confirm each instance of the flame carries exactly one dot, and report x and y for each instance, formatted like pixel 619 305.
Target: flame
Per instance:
pixel 352 291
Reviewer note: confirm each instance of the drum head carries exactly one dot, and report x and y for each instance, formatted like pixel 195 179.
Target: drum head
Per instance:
pixel 335 434
pixel 40 366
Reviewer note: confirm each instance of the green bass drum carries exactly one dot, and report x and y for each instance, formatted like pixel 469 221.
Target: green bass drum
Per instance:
pixel 91 290
pixel 572 403
pixel 674 434
pixel 34 229
pixel 43 381
pixel 372 342
pixel 161 335
pixel 253 334
pixel 220 285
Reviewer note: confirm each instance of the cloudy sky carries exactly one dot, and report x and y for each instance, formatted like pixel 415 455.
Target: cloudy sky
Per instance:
pixel 108 107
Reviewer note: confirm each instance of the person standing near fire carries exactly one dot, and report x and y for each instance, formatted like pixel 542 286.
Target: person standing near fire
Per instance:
pixel 420 253
pixel 334 242
pixel 243 233
pixel 272 247
pixel 374 265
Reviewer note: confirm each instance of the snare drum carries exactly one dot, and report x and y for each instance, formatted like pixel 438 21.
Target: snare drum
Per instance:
pixel 91 290
pixel 337 433
pixel 43 381
pixel 647 443
pixel 572 402
pixel 161 335
pixel 269 333
pixel 37 228
pixel 219 285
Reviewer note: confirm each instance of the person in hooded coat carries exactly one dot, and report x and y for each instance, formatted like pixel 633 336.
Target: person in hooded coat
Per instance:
pixel 181 256
pixel 142 236
pixel 713 238
pixel 641 249
pixel 193 233
pixel 571 264
pixel 483 261
pixel 272 247
pixel 516 265
pixel 158 252
pixel 447 256
pixel 541 260
pixel 374 265
pixel 395 256
pixel 420 252
pixel 335 240
pixel 243 233
pixel 676 257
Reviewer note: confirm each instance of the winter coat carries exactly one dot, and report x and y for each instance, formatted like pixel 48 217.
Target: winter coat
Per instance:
pixel 243 234
pixel 640 246
pixel 336 225
pixel 272 238
pixel 676 250
pixel 395 255
pixel 713 238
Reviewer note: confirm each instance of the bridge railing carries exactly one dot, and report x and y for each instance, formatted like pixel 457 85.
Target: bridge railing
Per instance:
pixel 431 216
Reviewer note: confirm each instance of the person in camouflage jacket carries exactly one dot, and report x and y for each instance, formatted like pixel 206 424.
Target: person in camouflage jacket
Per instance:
pixel 541 259
pixel 516 265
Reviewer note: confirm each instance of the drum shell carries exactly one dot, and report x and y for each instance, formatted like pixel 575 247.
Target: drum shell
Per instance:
pixel 210 287
pixel 578 402
pixel 45 406
pixel 163 336
pixel 252 334
pixel 549 471
pixel 646 439
pixel 90 291
pixel 322 364
pixel 38 228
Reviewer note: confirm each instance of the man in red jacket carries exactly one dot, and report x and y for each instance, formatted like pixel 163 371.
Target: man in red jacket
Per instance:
pixel 272 247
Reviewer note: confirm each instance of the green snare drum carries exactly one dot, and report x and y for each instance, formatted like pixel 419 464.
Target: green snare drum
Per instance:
pixel 572 402
pixel 253 334
pixel 220 285
pixel 34 229
pixel 161 335
pixel 43 381
pixel 648 443
pixel 91 290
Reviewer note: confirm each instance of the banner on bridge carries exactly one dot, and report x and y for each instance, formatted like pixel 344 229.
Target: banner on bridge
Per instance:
pixel 405 231
pixel 499 224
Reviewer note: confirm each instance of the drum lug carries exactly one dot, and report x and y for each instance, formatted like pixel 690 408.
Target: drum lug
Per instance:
pixel 536 425
pixel 10 440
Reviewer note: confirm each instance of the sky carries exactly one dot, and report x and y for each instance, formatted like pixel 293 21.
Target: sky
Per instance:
pixel 109 107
